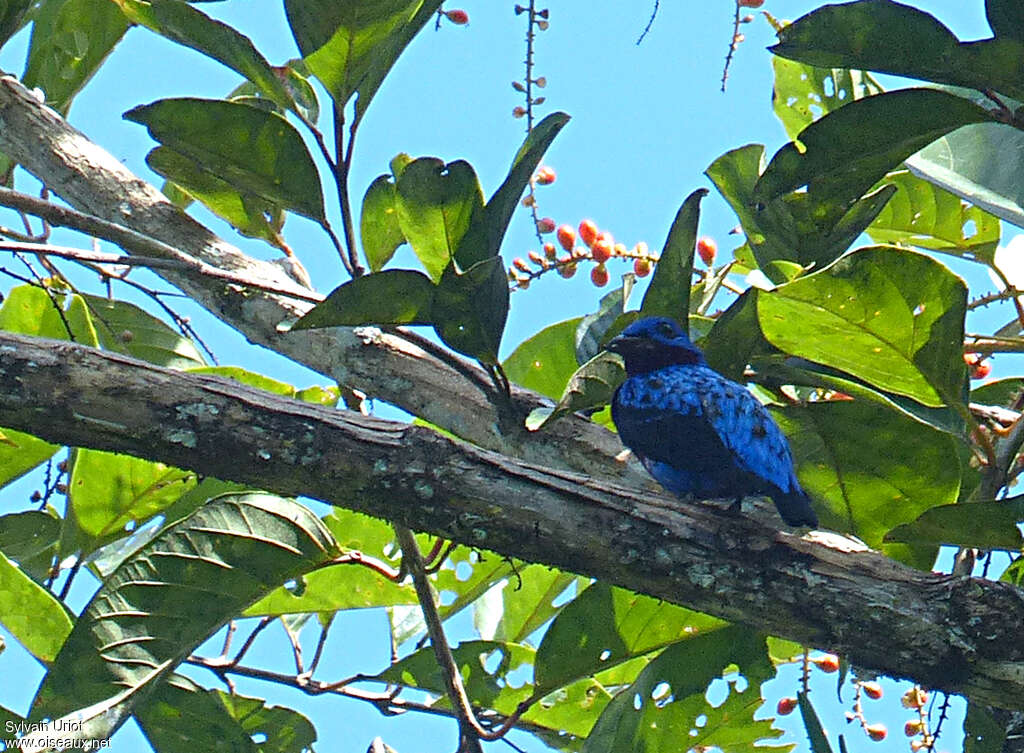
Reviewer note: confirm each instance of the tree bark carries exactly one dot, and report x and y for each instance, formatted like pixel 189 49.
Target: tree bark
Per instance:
pixel 957 634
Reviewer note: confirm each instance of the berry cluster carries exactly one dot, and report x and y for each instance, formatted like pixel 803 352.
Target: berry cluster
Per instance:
pixel 598 246
pixel 922 738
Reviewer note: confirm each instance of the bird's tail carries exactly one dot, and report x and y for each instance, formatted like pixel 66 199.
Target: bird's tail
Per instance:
pixel 795 508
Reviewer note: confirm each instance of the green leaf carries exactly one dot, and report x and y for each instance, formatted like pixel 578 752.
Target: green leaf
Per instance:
pixel 351 47
pixel 470 309
pixel 892 318
pixel 255 151
pixel 197 574
pixel 394 296
pixel 985 525
pixel 591 386
pixel 123 327
pixel 803 93
pixel 111 494
pixel 544 362
pixel 982 733
pixel 343 586
pixel 31 310
pixel 248 213
pixel 1006 17
pixel 20 453
pixel 922 214
pixel 815 733
pixel 667 703
pixel 29 538
pixel 436 204
pixel 250 378
pixel 596 329
pixel 277 728
pixel 70 40
pixel 843 154
pixel 525 604
pixel 181 716
pixel 890 37
pixel 736 339
pixel 31 613
pixel 12 18
pixel 378 223
pixel 182 23
pixel 484 239
pixel 669 291
pixel 1000 392
pixel 605 626
pixel 864 465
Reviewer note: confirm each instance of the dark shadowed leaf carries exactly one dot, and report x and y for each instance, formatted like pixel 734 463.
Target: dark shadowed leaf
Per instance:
pixel 255 151
pixel 30 539
pixel 593 330
pixel 12 16
pixel 394 296
pixel 891 317
pixel 1000 392
pixel 470 309
pixel 70 39
pixel 182 716
pixel 669 291
pixel 890 37
pixel 864 465
pixel 435 205
pixel 736 338
pixel 591 386
pixel 815 733
pixel 545 362
pixel 132 634
pixel 846 152
pixel 182 23
pixel 378 223
pixel 1006 17
pixel 982 733
pixel 985 525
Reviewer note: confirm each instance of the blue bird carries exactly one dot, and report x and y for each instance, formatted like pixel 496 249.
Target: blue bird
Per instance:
pixel 694 430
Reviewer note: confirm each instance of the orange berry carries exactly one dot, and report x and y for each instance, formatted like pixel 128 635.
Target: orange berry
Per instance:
pixel 750 3
pixel 537 259
pixel 588 232
pixel 599 275
pixel 550 251
pixel 913 728
pixel 914 698
pixel 642 267
pixel 876 732
pixel 706 249
pixel 546 225
pixel 786 706
pixel 872 689
pixel 545 176
pixel 520 264
pixel 567 270
pixel 828 663
pixel 518 112
pixel 601 250
pixel 971 359
pixel 566 237
pixel 605 235
pixel 457 17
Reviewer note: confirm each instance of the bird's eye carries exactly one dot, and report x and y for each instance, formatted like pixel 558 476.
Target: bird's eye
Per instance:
pixel 665 329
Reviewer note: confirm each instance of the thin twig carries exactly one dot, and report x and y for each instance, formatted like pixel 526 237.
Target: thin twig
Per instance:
pixel 650 23
pixel 343 164
pixel 732 45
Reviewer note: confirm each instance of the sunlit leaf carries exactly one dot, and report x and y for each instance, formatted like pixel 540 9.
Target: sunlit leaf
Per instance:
pixel 378 223
pixel 984 525
pixel 394 296
pixel 545 361
pixel 30 613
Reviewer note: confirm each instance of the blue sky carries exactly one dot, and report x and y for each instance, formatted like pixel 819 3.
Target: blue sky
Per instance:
pixel 646 122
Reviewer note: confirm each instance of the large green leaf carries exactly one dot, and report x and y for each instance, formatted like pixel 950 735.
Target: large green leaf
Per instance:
pixel 70 39
pixel 606 626
pixel 1006 17
pixel 842 155
pixel 30 539
pixel 669 291
pixel 256 151
pixel 985 525
pixel 869 468
pixel 668 701
pixel 174 592
pixel 31 613
pixel 379 227
pixel 394 296
pixel 892 318
pixel 889 37
pixel 803 93
pixel 435 205
pixel 470 309
pixel 527 601
pixel 591 386
pixel 125 328
pixel 181 23
pixel 544 362
pixel 351 46
pixel 31 310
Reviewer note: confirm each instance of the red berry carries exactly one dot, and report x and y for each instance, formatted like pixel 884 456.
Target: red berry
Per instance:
pixel 567 270
pixel 545 176
pixel 550 251
pixel 520 264
pixel 599 275
pixel 537 259
pixel 605 235
pixel 913 728
pixel 872 690
pixel 706 249
pixel 546 225
pixel 461 18
pixel 601 251
pixel 750 3
pixel 828 663
pixel 642 267
pixel 786 706
pixel 588 232
pixel 876 732
pixel 566 237
pixel 982 370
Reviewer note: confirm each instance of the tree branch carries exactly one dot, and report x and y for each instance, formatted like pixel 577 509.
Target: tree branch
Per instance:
pixel 957 634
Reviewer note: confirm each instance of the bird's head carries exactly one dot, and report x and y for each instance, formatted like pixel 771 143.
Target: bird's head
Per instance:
pixel 654 343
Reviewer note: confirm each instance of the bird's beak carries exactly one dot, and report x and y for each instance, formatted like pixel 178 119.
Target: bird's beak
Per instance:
pixel 625 344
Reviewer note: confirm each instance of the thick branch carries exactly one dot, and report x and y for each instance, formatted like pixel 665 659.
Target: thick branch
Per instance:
pixel 957 634
pixel 382 365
